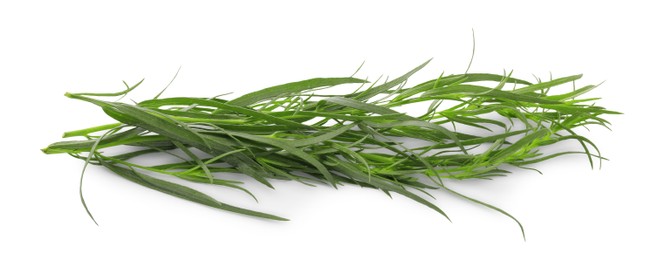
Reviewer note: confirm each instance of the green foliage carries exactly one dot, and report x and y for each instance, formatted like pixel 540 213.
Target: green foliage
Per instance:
pixel 475 127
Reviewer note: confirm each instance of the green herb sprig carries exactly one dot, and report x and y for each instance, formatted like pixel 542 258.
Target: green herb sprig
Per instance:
pixel 477 126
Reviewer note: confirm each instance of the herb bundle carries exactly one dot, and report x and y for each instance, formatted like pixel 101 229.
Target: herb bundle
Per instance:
pixel 476 126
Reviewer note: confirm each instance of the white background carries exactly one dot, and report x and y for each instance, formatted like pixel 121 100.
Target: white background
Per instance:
pixel 570 212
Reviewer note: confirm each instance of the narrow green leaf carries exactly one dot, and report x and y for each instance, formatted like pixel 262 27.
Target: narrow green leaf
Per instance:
pixel 547 84
pixel 323 137
pixel 489 206
pixel 182 192
pixel 371 92
pixel 293 87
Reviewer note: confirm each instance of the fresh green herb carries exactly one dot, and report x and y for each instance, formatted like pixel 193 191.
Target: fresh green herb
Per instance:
pixel 478 126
